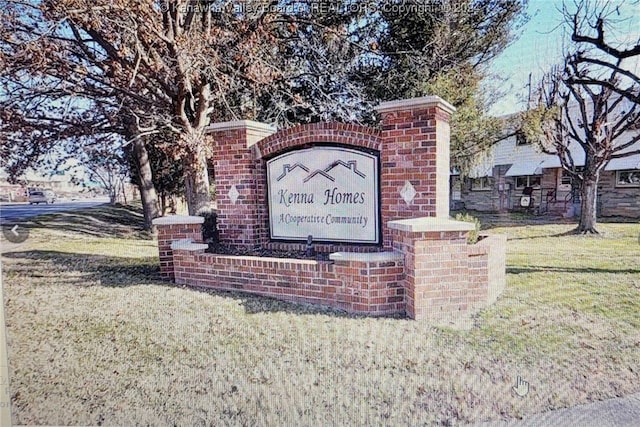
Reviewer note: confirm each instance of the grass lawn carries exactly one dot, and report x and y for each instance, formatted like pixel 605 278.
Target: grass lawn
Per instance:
pixel 96 338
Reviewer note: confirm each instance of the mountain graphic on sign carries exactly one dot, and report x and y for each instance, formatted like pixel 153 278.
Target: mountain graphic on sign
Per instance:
pixel 288 168
pixel 319 173
pixel 351 165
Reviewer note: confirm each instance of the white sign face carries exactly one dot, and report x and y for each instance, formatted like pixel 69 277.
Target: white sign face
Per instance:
pixel 330 193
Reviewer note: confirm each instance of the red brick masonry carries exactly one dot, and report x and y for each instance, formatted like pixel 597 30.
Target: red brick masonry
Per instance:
pixel 177 227
pixel 444 274
pixel 372 286
pixel 413 144
pixel 427 269
pixel 430 274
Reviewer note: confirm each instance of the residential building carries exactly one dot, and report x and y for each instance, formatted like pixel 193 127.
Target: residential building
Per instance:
pixel 515 168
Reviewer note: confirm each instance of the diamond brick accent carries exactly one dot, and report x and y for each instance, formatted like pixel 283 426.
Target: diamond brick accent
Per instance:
pixel 234 194
pixel 408 192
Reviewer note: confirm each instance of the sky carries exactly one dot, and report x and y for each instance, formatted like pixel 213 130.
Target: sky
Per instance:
pixel 539 47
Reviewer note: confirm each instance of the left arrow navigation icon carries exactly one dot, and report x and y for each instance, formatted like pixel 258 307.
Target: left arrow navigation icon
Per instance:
pixel 15 233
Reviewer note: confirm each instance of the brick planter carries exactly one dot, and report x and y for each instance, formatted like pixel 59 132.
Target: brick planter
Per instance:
pixel 432 273
pixel 362 283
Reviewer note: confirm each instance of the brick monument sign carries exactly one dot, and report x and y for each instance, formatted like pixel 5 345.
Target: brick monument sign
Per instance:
pixel 376 200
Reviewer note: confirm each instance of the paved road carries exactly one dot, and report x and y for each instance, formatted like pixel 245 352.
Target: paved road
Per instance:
pixel 12 212
pixel 620 412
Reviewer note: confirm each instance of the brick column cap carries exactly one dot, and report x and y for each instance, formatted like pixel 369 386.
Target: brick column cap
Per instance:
pixel 178 219
pixel 188 245
pixel 367 256
pixel 414 103
pixel 240 124
pixel 255 131
pixel 430 224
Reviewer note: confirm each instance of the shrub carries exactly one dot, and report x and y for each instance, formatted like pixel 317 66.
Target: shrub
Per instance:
pixel 209 226
pixel 472 238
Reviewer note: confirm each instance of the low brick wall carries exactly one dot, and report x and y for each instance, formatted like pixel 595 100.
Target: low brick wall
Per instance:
pixel 357 283
pixel 431 273
pixel 487 266
pixel 445 276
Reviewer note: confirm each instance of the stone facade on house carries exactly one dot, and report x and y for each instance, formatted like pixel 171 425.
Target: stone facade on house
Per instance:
pixel 617 200
pixel 498 185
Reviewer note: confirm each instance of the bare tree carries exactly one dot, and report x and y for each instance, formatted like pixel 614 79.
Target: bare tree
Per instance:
pixel 590 103
pixel 168 67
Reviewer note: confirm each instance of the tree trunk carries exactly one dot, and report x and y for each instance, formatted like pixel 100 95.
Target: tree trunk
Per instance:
pixel 124 192
pixel 148 194
pixel 588 214
pixel 163 203
pixel 197 180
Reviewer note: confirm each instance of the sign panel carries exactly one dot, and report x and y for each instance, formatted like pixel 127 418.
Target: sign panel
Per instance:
pixel 330 193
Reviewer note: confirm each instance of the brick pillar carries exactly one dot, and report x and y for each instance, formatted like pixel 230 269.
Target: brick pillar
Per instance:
pixel 371 282
pixel 415 159
pixel 240 181
pixel 436 266
pixel 172 228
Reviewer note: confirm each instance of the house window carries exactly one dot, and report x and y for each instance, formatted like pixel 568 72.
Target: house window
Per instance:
pixel 480 184
pixel 528 181
pixel 567 178
pixel 521 139
pixel 628 178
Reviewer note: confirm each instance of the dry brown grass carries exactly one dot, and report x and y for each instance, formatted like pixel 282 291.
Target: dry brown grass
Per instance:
pixel 95 338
